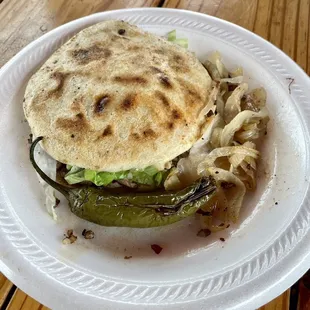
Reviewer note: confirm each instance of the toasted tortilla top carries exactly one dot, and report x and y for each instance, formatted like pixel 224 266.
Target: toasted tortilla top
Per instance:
pixel 115 97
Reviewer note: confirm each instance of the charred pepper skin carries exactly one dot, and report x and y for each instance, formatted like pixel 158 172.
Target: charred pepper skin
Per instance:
pixel 140 210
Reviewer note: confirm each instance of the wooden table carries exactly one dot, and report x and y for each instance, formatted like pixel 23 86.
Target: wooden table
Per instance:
pixel 285 23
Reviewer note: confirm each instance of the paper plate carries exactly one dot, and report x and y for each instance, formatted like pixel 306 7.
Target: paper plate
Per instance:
pixel 261 257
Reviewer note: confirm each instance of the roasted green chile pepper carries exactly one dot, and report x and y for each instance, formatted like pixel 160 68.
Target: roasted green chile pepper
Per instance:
pixel 98 205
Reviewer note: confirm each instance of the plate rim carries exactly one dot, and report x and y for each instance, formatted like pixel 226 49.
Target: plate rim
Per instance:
pixel 277 287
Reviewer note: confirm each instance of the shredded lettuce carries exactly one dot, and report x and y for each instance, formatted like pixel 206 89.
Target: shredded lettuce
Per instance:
pixel 99 178
pixel 181 42
pixel 148 176
pixel 233 103
pixel 160 177
pixel 172 37
pixel 75 175
pixel 216 59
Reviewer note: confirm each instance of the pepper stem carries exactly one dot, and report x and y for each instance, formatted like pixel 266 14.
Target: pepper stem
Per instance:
pixel 61 188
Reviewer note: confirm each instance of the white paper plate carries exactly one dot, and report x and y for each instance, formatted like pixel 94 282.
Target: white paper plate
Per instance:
pixel 261 257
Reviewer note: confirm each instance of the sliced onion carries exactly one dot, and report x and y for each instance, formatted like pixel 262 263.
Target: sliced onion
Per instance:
pixel 233 103
pixel 233 80
pixel 237 72
pixel 220 104
pixel 243 166
pixel 227 151
pixel 212 69
pixel 255 100
pixel 210 106
pixel 172 181
pixel 215 58
pixel 244 117
pixel 202 145
pixel 215 137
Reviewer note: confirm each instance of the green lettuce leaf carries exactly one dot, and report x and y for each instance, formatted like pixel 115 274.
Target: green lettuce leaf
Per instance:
pixel 172 37
pixel 75 175
pixel 99 178
pixel 148 176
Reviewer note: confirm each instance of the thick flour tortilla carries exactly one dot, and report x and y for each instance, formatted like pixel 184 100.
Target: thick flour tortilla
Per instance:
pixel 115 97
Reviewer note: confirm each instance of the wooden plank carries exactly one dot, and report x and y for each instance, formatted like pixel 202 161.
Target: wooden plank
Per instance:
pixel 280 303
pixel 5 287
pixel 304 292
pixel 17 300
pixel 208 7
pixel 262 21
pixel 28 20
pixel 240 12
pixel 302 53
pixel 65 11
pixel 308 48
pixel 21 301
pixel 290 24
pixel 31 304
pixel 277 22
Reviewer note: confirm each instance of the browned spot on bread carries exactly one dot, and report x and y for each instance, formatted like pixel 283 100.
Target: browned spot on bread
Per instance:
pixel 159 51
pixel 163 99
pixel 101 104
pixel 192 96
pixel 107 131
pixel 128 103
pixel 178 59
pixel 85 56
pixel 138 58
pixel 193 93
pixel 156 70
pixel 121 31
pixel 170 125
pixel 179 69
pixel 76 105
pixel 133 48
pixel 60 78
pixel 130 79
pixel 135 136
pixel 164 80
pixel 76 124
pixel 149 133
pixel 176 114
pixel 178 64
